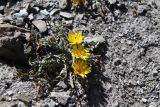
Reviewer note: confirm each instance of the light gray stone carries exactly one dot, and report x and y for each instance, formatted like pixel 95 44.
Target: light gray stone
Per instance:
pixel 61 97
pixel 41 25
pixel 2 9
pixel 43 14
pixel 31 17
pixel 153 104
pixel 22 13
pixel 144 100
pixel 19 21
pixel 67 15
pixel 112 1
pixel 96 39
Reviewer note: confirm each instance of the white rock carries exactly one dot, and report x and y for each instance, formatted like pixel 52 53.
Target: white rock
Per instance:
pixel 112 1
pixel 96 39
pixel 23 13
pixel 44 12
pixel 31 17
pixel 144 100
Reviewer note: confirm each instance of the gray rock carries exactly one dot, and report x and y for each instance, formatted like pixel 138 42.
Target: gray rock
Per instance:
pixel 115 104
pixel 8 18
pixel 6 73
pixel 52 104
pixel 2 9
pixel 153 104
pixel 67 15
pixel 43 14
pixel 19 21
pixel 47 4
pixel 8 104
pixel 21 104
pixel 141 10
pixel 79 16
pixel 53 12
pixel 69 22
pixel 71 105
pixel 157 2
pixel 61 97
pixel 41 25
pixel 62 4
pixel 1 19
pixel 22 13
pixel 154 72
pixel 10 93
pixel 62 84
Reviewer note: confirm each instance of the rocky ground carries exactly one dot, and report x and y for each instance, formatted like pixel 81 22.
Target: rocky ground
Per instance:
pixel 126 38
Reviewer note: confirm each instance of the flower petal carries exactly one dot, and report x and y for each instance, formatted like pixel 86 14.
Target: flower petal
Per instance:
pixel 81 68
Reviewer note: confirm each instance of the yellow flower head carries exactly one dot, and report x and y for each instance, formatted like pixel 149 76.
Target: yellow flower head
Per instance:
pixel 76 1
pixel 75 38
pixel 78 51
pixel 81 68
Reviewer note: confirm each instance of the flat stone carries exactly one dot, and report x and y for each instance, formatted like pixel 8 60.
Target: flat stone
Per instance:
pixel 41 25
pixel 95 39
pixel 67 15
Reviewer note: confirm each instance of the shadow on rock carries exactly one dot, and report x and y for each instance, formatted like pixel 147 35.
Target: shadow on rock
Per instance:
pixel 11 2
pixel 93 86
pixel 96 91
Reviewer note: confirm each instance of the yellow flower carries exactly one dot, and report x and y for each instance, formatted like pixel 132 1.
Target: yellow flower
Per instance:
pixel 78 51
pixel 81 68
pixel 75 38
pixel 76 1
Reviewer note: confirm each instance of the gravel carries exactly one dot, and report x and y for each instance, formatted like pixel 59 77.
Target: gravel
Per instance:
pixel 126 42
